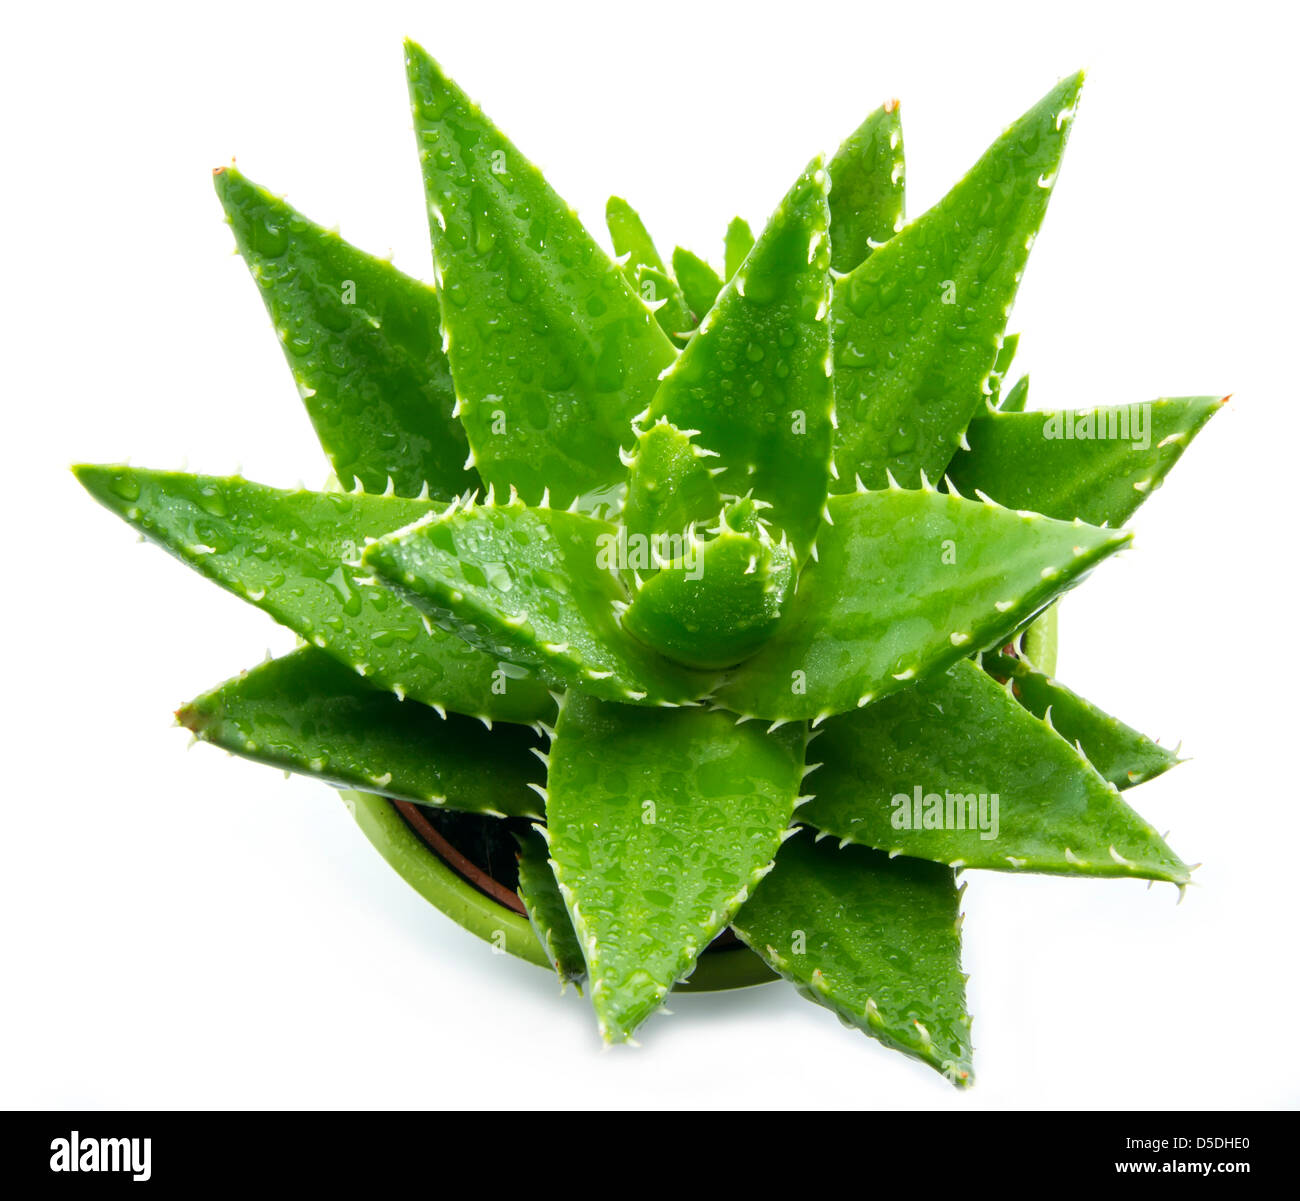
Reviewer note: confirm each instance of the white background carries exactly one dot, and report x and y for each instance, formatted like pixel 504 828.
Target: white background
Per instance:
pixel 189 930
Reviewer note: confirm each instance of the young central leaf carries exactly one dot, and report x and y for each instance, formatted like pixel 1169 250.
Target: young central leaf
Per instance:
pixel 669 486
pixel 718 604
pixel 552 352
pixel 534 586
pixel 754 380
pixel 660 822
pixel 645 269
pixel 294 555
pixel 906 583
pixel 737 244
pixel 955 770
pixel 363 343
pixel 699 282
pixel 917 326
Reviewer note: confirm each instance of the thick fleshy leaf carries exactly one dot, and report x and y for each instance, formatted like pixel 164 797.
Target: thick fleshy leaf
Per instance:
pixel 738 243
pixel 699 282
pixel 534 586
pixel 718 604
pixel 1095 464
pixel 645 269
pixel 660 822
pixel 955 770
pixel 1121 754
pixel 363 343
pixel 306 712
pixel 754 380
pixel 875 940
pixel 632 241
pixel 867 188
pixel 906 583
pixel 1039 640
pixel 669 485
pixel 918 325
pixel 293 555
pixel 551 350
pixel 1001 365
pixel 546 910
pixel 1015 398
pixel 662 294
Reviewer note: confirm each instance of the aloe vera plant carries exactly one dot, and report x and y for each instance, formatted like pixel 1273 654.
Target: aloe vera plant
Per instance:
pixel 728 593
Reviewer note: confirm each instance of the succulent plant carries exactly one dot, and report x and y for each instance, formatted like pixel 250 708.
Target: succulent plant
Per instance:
pixel 729 593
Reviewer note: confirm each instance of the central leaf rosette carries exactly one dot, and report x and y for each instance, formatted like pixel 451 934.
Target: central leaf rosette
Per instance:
pixel 717 600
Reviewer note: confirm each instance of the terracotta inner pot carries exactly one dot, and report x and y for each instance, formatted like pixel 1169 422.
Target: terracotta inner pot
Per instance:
pixel 456 860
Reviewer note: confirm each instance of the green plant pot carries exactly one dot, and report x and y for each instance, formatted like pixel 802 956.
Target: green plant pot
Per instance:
pixel 435 876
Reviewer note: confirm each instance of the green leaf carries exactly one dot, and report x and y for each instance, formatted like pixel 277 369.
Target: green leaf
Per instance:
pixel 1038 641
pixel 718 603
pixel 293 555
pixel 904 584
pixel 307 713
pixel 1014 400
pixel 738 243
pixel 663 295
pixel 632 241
pixel 1095 464
pixel 875 940
pixel 918 325
pixel 363 344
pixel 669 486
pixel 1118 752
pixel 1001 365
pixel 546 910
pixel 867 187
pixel 660 822
pixel 918 773
pixel 645 269
pixel 699 282
pixel 551 351
pixel 534 586
pixel 754 380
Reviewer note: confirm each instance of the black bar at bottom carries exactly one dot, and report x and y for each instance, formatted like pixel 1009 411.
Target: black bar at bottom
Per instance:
pixel 54 1150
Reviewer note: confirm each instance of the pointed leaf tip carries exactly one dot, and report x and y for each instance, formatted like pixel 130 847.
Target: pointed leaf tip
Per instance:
pixel 897 775
pixel 753 380
pixel 363 343
pixel 653 871
pixel 867 188
pixel 918 324
pixel 1097 464
pixel 307 713
pixel 292 554
pixel 875 939
pixel 521 281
